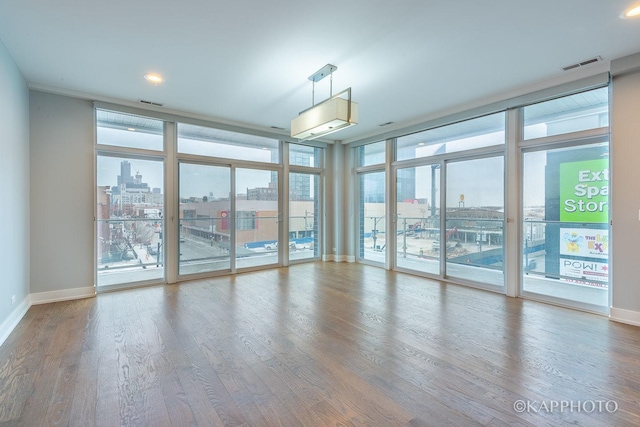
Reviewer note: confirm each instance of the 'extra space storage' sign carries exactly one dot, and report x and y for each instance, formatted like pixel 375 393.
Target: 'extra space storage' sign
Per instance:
pixel 584 191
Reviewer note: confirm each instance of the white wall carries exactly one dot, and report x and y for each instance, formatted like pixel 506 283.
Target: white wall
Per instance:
pixel 62 159
pixel 625 192
pixel 14 192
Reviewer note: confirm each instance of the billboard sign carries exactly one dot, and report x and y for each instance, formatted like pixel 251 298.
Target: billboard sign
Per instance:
pixel 584 191
pixel 586 270
pixel 584 242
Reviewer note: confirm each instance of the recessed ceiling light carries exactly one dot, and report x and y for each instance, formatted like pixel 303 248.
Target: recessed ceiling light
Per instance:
pixel 131 129
pixel 632 12
pixel 421 144
pixel 153 78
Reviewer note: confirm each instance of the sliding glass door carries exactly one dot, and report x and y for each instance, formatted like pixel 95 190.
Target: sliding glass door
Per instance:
pixel 418 218
pixel 257 217
pixel 449 207
pixel 220 231
pixel 474 218
pixel 204 228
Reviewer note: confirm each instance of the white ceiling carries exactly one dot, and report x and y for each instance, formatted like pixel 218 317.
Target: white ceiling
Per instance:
pixel 247 61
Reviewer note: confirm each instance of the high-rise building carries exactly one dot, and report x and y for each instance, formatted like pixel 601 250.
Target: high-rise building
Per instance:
pixel 125 176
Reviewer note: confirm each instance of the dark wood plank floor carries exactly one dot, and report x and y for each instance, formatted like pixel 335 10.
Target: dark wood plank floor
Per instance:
pixel 317 344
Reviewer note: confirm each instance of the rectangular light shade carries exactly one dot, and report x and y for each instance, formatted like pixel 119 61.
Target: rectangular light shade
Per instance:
pixel 324 118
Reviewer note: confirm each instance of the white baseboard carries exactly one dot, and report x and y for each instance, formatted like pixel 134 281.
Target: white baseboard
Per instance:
pixel 14 318
pixel 625 316
pixel 41 298
pixel 339 258
pixel 62 295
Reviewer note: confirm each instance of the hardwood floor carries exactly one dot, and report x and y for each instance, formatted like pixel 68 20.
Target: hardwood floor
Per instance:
pixel 317 344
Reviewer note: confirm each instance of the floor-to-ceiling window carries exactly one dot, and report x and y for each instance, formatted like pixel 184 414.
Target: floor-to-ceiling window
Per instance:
pixel 461 167
pixel 130 199
pixel 372 236
pixel 565 200
pixel 177 198
pixel 303 215
pixel 229 201
pixel 305 202
pixel 515 201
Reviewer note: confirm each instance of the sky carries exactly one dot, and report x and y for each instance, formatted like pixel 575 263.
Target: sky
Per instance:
pixel 479 180
pixel 195 180
pixel 109 168
pixel 205 180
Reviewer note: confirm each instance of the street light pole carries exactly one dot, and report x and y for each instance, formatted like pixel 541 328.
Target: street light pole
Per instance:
pixel 404 242
pixel 374 231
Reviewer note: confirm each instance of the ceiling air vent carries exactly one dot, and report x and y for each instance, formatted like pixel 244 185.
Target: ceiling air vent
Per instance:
pixel 582 64
pixel 386 124
pixel 157 104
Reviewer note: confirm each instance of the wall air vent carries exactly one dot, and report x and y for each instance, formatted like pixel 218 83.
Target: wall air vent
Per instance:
pixel 157 104
pixel 582 64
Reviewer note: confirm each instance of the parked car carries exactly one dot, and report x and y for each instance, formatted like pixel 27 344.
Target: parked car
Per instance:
pixel 274 245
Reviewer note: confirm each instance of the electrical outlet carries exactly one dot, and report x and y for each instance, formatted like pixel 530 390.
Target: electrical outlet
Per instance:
pixel 334 249
pixel 13 300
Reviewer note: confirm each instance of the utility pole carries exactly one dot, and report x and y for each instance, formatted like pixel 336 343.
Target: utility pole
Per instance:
pixel 404 234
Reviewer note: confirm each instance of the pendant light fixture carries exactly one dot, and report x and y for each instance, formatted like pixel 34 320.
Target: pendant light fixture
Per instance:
pixel 334 113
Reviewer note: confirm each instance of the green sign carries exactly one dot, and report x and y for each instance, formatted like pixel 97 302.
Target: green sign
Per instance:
pixel 584 191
